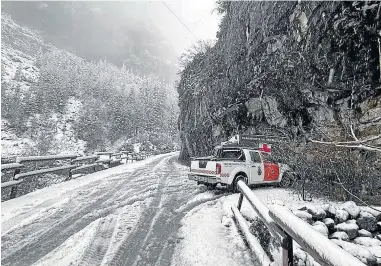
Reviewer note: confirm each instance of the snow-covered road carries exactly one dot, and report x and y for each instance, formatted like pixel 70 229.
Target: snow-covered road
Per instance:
pixel 144 213
pixel 127 215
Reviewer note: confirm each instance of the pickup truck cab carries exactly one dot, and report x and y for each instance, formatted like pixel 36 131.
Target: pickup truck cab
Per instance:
pixel 230 164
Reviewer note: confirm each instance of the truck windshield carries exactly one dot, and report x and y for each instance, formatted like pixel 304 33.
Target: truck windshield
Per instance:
pixel 267 158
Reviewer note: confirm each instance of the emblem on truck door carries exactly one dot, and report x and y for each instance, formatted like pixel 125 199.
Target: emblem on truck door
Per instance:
pixel 259 171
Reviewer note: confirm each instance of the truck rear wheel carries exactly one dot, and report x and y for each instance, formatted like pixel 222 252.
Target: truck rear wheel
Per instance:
pixel 235 186
pixel 211 186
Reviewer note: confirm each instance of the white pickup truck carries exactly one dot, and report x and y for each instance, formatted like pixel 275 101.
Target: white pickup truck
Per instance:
pixel 230 164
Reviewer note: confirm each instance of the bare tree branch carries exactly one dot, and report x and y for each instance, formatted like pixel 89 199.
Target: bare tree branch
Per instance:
pixel 339 144
pixel 350 193
pixel 353 133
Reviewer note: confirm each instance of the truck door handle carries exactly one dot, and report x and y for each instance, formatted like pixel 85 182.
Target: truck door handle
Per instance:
pixel 253 166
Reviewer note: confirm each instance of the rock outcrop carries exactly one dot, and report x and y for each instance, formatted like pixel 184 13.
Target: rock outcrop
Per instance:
pixel 303 70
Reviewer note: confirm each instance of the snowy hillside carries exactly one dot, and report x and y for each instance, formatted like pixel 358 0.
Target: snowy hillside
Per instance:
pixel 61 103
pixel 19 71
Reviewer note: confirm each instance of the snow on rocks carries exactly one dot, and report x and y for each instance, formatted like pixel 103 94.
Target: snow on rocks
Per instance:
pixel 341 216
pixel 358 251
pixel 364 233
pixel 354 228
pixel 321 228
pixel 350 228
pixel 340 235
pixel 329 223
pixel 375 213
pixel 367 241
pixel 367 221
pixel 351 208
pixel 304 216
pixel 330 210
pixel 316 212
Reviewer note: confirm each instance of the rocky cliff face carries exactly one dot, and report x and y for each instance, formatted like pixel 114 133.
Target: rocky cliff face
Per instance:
pixel 307 69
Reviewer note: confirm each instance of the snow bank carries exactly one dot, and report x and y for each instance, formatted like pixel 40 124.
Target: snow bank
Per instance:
pixel 204 240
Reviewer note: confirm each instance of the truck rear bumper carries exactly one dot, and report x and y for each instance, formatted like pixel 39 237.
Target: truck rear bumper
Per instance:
pixel 204 179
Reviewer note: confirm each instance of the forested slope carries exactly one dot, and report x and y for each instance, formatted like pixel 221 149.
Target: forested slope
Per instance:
pixel 305 70
pixel 54 101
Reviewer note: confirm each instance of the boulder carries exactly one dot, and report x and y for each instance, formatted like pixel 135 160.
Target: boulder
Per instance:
pixel 304 216
pixel 364 233
pixel 330 223
pixel 341 216
pixel 367 241
pixel 351 208
pixel 331 211
pixel 316 212
pixel 321 228
pixel 358 251
pixel 339 235
pixel 349 228
pixel 254 106
pixel 325 207
pixel 376 214
pixel 271 112
pixel 321 115
pixel 367 221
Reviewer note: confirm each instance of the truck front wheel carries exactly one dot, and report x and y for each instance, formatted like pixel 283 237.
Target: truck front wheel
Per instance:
pixel 238 177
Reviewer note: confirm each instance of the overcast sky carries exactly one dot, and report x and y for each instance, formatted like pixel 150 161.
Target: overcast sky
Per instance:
pixel 197 15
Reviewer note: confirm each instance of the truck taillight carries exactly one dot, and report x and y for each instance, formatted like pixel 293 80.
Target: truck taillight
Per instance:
pixel 218 168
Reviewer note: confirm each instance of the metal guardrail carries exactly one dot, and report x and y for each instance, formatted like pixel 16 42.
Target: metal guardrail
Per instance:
pixel 91 162
pixel 11 166
pixel 45 158
pixel 285 227
pixel 43 171
pixel 84 158
pixel 84 167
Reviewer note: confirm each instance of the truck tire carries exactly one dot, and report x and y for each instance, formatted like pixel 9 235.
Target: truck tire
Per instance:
pixel 287 180
pixel 236 179
pixel 211 186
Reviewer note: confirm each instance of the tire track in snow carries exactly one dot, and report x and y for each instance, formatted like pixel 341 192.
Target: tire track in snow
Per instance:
pixel 99 246
pixel 34 244
pixel 161 196
pixel 153 241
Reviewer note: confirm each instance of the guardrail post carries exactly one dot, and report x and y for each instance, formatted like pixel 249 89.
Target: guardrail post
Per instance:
pixel 14 188
pixel 287 252
pixel 240 201
pixel 70 173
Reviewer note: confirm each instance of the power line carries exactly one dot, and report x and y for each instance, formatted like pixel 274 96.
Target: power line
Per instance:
pixel 180 20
